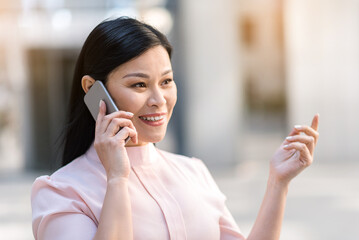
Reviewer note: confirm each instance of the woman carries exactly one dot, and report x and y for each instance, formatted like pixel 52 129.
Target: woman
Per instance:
pixel 110 189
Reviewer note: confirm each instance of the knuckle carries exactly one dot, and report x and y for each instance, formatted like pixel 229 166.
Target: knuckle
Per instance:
pixel 302 146
pixel 309 161
pixel 133 133
pixel 116 121
pixel 98 143
pixel 123 121
pixel 308 152
pixel 123 130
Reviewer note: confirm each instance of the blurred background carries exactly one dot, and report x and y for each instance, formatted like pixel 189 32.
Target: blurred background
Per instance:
pixel 246 71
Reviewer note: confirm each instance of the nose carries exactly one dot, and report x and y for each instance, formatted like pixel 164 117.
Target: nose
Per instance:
pixel 157 98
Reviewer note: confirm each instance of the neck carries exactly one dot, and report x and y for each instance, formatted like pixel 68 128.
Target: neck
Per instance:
pixel 131 144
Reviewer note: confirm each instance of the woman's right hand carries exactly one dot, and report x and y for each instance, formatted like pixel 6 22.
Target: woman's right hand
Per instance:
pixel 110 141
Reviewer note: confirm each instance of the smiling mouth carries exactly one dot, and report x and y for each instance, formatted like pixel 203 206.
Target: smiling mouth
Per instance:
pixel 153 119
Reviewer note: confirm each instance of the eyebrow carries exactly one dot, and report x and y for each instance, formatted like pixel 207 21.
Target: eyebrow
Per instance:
pixel 143 75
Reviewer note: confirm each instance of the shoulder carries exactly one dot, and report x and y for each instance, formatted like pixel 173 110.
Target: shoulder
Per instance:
pixel 78 170
pixel 190 163
pixel 66 191
pixel 59 181
pixel 76 176
pixel 58 189
pixel 51 198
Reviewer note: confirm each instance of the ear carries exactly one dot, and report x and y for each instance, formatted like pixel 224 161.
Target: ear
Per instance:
pixel 87 82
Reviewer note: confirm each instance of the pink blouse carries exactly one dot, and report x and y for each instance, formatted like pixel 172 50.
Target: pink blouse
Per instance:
pixel 172 197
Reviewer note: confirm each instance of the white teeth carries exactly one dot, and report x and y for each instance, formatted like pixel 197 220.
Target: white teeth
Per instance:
pixel 152 118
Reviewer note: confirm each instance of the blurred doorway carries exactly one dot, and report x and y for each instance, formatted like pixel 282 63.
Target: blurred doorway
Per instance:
pixel 263 75
pixel 50 77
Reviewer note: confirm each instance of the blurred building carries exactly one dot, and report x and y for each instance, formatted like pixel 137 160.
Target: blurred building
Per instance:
pixel 246 72
pixel 40 41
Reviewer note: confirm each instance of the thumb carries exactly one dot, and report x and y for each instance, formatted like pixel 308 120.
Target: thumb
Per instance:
pixel 102 111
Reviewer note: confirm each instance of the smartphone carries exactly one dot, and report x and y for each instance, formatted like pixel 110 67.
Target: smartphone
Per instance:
pixel 92 99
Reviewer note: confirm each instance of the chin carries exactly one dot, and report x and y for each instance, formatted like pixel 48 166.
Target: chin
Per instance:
pixel 153 138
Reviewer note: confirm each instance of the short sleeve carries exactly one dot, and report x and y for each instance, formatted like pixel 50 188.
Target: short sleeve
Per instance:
pixel 229 229
pixel 58 212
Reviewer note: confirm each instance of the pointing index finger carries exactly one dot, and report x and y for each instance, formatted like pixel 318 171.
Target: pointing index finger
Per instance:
pixel 315 122
pixel 309 131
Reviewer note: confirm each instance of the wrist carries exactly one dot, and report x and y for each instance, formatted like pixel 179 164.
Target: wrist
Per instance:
pixel 277 183
pixel 115 174
pixel 117 180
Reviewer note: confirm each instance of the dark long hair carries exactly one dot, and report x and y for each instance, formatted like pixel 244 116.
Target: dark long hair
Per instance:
pixel 110 44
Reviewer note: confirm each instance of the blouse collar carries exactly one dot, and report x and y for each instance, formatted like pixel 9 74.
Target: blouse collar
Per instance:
pixel 138 155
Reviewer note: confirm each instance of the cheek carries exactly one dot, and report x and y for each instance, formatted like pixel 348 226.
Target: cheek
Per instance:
pixel 129 102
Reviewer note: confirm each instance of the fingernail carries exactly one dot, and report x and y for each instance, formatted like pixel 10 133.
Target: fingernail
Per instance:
pixel 286 146
pixel 298 127
pixel 129 114
pixel 289 137
pixel 99 105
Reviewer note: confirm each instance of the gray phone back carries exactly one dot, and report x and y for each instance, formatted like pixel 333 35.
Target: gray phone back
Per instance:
pixel 93 97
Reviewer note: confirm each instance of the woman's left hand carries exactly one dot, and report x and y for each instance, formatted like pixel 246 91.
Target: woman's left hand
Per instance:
pixel 295 153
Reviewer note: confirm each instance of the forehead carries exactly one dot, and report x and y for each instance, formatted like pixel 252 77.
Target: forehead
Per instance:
pixel 153 61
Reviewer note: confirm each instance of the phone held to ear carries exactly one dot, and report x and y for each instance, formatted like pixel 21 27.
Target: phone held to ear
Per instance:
pixel 92 100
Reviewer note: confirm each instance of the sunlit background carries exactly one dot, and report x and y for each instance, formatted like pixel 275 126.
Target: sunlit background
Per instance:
pixel 246 71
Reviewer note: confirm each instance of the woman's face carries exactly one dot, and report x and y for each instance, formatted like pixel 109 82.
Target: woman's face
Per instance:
pixel 145 87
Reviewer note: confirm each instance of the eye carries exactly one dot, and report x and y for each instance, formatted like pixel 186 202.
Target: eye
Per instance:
pixel 139 85
pixel 167 81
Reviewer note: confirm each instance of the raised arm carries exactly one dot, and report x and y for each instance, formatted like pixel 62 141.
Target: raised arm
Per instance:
pixel 116 219
pixel 292 157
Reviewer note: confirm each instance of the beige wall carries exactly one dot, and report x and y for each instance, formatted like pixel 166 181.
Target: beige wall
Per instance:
pixel 212 84
pixel 323 72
